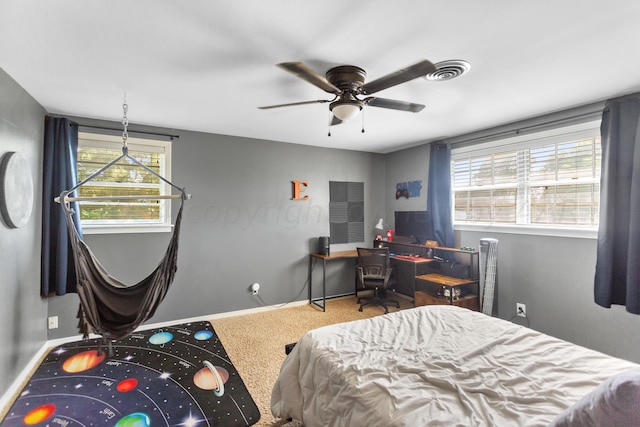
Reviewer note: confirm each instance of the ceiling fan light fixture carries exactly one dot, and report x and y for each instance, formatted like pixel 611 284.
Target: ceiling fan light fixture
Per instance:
pixel 347 84
pixel 345 110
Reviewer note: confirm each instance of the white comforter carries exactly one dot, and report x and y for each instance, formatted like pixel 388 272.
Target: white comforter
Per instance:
pixel 436 366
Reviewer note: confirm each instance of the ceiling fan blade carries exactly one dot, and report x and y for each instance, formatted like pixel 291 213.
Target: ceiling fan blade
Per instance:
pixel 393 104
pixel 267 107
pixel 420 69
pixel 303 72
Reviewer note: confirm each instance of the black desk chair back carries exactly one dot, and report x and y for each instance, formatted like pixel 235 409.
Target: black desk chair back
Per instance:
pixel 374 272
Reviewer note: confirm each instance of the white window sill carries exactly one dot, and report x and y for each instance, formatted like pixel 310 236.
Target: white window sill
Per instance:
pixel 551 231
pixel 131 229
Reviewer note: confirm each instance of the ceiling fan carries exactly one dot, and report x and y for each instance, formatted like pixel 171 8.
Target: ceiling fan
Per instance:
pixel 347 83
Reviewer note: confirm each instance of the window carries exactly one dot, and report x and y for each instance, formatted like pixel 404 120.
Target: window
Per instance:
pixel 123 178
pixel 546 179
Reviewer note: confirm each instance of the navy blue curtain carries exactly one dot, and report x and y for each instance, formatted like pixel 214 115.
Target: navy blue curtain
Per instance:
pixel 617 278
pixel 59 173
pixel 439 202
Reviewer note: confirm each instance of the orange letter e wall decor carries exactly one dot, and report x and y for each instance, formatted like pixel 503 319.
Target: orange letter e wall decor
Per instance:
pixel 297 189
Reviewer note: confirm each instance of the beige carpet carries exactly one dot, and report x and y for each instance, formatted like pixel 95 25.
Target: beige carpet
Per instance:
pixel 255 342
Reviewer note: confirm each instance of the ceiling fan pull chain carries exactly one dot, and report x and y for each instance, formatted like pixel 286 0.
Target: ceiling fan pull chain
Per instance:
pixel 362 120
pixel 329 126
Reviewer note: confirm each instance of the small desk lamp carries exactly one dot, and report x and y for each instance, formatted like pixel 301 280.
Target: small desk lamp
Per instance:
pixel 380 226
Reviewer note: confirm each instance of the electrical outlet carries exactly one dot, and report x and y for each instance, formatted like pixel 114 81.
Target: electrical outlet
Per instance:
pixel 53 322
pixel 521 309
pixel 255 288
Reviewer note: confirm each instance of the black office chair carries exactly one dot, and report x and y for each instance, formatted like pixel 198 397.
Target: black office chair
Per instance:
pixel 374 272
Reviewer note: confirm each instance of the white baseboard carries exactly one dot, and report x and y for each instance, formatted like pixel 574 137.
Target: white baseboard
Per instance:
pixel 13 390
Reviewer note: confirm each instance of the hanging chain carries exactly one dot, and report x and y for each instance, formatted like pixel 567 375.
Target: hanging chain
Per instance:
pixel 125 122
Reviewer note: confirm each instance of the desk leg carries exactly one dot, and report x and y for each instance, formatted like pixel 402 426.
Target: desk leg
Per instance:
pixel 309 277
pixel 312 300
pixel 413 283
pixel 324 284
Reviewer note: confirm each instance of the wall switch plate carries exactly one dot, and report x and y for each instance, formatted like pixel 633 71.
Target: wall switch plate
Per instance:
pixel 53 322
pixel 521 309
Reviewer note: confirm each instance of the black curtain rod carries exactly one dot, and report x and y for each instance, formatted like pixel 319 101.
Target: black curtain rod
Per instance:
pixel 586 116
pixel 592 113
pixel 130 131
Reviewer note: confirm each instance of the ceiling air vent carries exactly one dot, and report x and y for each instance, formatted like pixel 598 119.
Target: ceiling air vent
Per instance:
pixel 448 70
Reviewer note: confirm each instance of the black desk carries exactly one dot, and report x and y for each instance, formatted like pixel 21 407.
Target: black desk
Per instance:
pixel 352 254
pixel 407 268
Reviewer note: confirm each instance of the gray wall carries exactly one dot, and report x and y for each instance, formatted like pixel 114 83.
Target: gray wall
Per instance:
pixel 241 226
pixel 403 166
pixel 22 312
pixel 553 276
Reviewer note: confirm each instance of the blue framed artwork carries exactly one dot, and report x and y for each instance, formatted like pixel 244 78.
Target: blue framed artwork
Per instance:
pixel 408 189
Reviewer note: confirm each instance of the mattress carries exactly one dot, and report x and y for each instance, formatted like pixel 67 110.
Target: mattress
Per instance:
pixel 436 366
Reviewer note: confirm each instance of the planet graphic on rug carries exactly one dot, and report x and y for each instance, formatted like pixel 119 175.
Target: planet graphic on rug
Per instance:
pixel 127 385
pixel 161 338
pixel 39 414
pixel 83 361
pixel 147 379
pixel 211 378
pixel 203 335
pixel 137 419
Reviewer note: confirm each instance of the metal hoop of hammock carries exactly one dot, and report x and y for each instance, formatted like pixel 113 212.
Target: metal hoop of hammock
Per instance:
pixel 109 307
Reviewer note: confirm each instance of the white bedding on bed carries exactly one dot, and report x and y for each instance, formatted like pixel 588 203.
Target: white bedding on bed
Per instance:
pixel 436 366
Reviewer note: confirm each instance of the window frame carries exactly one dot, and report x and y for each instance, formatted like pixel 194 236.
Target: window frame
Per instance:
pixel 548 136
pixel 113 142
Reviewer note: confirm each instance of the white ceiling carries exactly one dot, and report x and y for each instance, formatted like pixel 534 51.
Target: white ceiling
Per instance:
pixel 205 65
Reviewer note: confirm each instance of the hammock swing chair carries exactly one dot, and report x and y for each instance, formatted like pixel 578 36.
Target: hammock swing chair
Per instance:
pixel 109 307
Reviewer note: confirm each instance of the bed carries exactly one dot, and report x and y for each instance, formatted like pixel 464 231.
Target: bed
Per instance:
pixel 449 366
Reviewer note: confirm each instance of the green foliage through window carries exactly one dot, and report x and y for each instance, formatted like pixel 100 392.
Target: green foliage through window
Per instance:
pixel 535 183
pixel 122 179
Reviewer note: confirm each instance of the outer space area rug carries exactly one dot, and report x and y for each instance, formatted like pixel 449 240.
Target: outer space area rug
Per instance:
pixel 171 376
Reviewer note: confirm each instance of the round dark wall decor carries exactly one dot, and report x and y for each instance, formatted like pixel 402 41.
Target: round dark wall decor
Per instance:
pixel 16 190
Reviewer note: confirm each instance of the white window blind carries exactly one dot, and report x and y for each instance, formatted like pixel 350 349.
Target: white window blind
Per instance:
pixel 549 178
pixel 124 179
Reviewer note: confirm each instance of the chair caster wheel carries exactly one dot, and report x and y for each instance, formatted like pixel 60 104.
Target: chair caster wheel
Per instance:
pixel 398 305
pixel 360 309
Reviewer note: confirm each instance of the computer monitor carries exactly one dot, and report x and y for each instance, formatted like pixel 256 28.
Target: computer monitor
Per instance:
pixel 413 224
